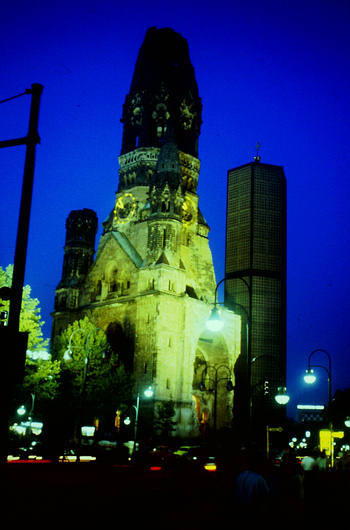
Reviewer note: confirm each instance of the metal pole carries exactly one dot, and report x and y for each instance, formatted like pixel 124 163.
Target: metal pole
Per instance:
pixel 215 397
pixel 329 371
pixel 267 442
pixel 136 407
pixel 234 276
pixel 14 343
pixel 24 215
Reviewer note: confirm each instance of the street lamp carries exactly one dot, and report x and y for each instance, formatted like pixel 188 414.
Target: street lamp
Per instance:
pixel 21 411
pixel 148 393
pixel 215 324
pixel 282 397
pixel 310 376
pixel 215 381
pixel 68 356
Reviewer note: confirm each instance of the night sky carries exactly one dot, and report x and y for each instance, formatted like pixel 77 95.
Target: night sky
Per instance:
pixel 271 72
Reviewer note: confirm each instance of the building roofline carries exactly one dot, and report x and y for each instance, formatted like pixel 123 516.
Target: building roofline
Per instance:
pixel 255 164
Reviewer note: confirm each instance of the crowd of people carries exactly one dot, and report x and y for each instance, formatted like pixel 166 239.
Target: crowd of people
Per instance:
pixel 261 488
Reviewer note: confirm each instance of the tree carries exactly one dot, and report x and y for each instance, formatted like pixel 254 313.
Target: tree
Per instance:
pixel 93 381
pixel 41 378
pixel 41 375
pixel 30 317
pixel 164 424
pixel 40 383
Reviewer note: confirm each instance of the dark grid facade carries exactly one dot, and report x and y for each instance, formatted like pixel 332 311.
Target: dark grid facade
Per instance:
pixel 256 258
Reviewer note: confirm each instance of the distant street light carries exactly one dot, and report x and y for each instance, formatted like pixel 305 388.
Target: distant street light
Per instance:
pixel 310 376
pixel 282 397
pixel 22 410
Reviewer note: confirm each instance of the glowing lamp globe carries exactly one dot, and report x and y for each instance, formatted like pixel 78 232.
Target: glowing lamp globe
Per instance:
pixel 282 397
pixel 214 323
pixel 21 410
pixel 148 392
pixel 309 377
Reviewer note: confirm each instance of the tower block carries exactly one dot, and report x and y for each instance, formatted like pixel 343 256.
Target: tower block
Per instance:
pixel 151 286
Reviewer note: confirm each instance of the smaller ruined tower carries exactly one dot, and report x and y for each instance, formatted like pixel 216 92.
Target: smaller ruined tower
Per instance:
pixel 79 250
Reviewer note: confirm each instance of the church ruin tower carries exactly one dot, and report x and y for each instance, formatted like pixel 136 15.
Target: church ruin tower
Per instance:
pixel 163 87
pixel 151 285
pixel 79 250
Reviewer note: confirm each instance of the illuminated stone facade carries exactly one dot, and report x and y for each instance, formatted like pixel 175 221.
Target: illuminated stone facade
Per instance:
pixel 151 285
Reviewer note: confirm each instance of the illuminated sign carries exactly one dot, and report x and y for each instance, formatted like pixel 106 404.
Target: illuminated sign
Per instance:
pixel 310 407
pixel 326 440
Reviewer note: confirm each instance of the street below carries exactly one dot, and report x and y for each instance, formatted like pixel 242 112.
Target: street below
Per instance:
pixel 91 493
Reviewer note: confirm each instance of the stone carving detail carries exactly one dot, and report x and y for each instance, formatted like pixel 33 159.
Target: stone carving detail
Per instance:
pixel 136 110
pixel 187 113
pixel 165 199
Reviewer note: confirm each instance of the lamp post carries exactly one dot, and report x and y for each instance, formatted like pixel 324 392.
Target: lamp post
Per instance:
pixel 148 393
pixel 21 411
pixel 282 398
pixel 68 356
pixel 215 324
pixel 216 380
pixel 310 376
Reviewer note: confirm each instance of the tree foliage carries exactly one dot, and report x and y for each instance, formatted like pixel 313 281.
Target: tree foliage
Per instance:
pixel 92 377
pixel 41 376
pixel 164 423
pixel 30 317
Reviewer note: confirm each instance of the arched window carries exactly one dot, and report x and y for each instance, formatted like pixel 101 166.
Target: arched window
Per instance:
pixel 113 281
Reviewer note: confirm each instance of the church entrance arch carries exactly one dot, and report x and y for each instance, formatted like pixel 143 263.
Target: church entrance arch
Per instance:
pixel 212 384
pixel 121 344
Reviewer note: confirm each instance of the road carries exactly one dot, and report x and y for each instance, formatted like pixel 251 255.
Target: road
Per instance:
pixel 83 493
pixel 90 494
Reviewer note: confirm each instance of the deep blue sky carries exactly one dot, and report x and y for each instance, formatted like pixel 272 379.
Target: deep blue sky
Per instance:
pixel 272 71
